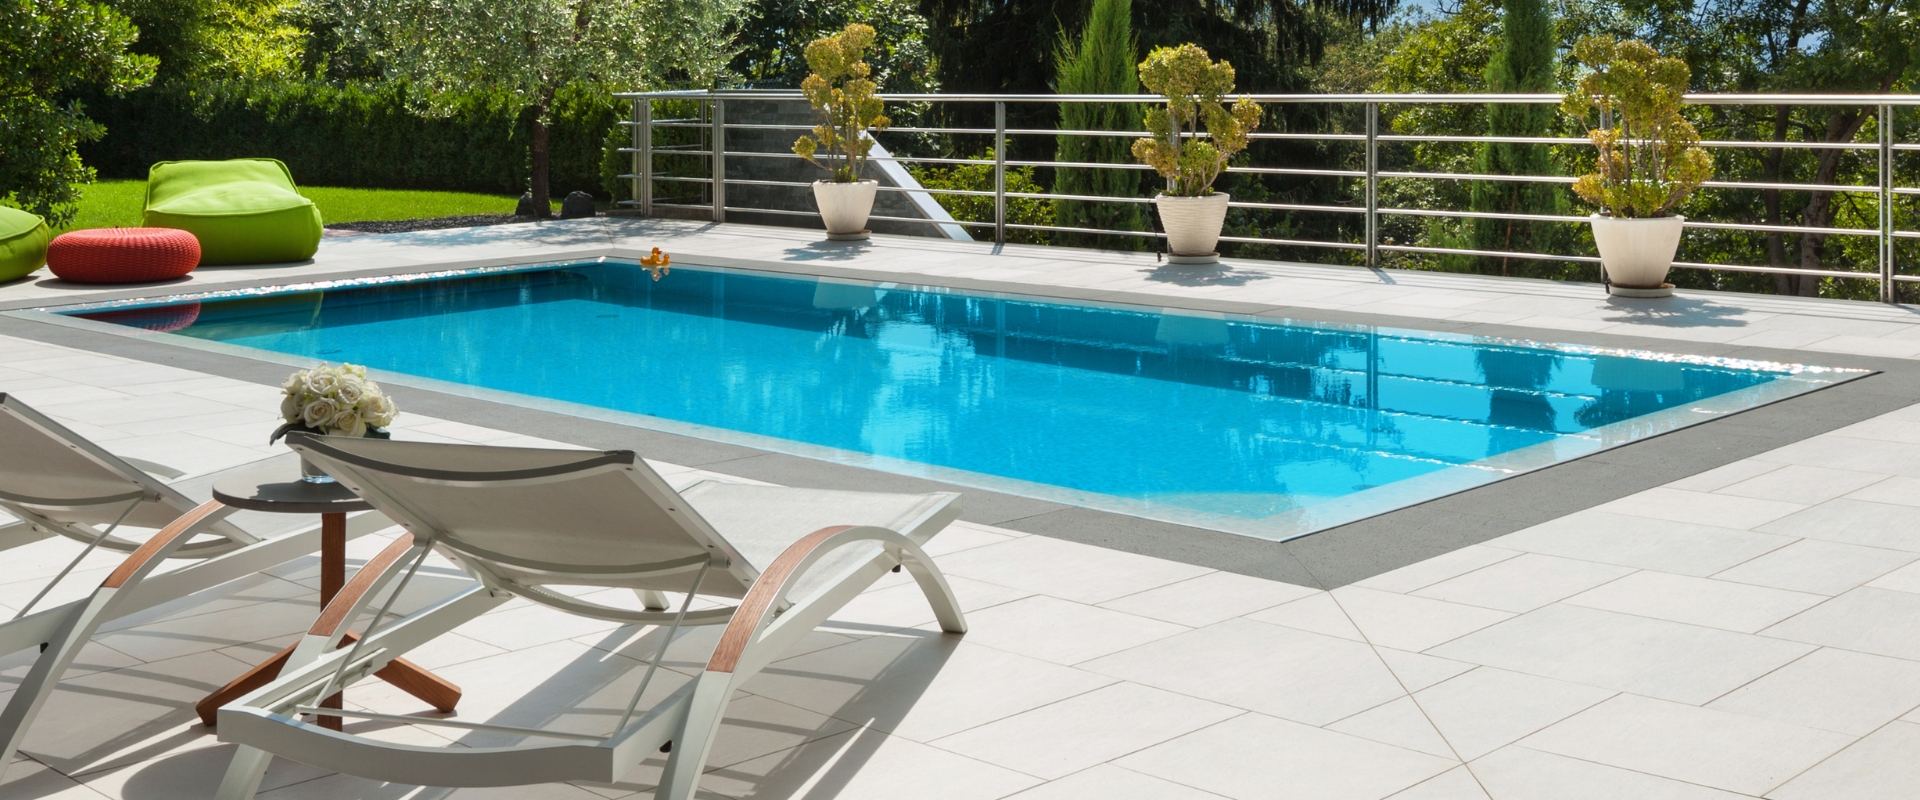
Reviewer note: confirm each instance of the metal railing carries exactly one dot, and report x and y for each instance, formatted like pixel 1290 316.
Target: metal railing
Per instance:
pixel 710 126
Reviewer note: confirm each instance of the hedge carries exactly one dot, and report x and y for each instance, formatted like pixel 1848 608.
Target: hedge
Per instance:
pixel 366 136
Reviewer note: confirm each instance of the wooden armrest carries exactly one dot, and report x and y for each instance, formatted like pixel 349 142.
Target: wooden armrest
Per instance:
pixel 335 614
pixel 180 528
pixel 761 597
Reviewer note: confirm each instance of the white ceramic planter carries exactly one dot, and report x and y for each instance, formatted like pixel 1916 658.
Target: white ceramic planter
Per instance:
pixel 844 207
pixel 1637 252
pixel 1192 223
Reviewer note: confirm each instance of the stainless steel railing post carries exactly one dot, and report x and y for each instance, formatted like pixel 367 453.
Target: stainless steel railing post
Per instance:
pixel 999 173
pixel 1888 287
pixel 1373 185
pixel 719 159
pixel 643 154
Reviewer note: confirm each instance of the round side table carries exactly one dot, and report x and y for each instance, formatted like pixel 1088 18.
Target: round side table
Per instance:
pixel 279 489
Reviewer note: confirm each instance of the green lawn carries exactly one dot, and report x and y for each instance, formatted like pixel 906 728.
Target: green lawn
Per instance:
pixel 117 204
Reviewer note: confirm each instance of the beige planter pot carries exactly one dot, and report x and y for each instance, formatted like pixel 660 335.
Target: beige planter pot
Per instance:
pixel 1638 252
pixel 844 207
pixel 1193 223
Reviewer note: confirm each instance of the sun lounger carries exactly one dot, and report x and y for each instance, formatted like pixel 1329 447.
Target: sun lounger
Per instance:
pixel 56 483
pixel 523 521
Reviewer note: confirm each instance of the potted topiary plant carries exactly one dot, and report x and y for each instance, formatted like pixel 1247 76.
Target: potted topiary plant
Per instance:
pixel 1193 84
pixel 1649 160
pixel 842 91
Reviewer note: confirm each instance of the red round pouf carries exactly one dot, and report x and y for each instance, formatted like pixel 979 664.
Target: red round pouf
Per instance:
pixel 123 255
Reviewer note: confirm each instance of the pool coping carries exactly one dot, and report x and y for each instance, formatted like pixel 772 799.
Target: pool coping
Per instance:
pixel 1330 558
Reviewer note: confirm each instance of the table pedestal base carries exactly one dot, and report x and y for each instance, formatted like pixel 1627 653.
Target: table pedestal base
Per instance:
pixel 403 674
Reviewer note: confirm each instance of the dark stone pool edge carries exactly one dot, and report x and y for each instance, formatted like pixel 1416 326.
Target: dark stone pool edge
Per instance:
pixel 1328 559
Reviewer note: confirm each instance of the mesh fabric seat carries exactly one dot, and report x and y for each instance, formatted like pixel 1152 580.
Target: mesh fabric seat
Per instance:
pixel 53 483
pixel 243 211
pixel 771 562
pixel 23 243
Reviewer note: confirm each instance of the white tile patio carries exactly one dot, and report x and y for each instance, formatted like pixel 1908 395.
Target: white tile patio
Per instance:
pixel 1749 632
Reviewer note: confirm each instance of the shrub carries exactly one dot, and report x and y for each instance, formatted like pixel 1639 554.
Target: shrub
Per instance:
pixel 978 177
pixel 353 135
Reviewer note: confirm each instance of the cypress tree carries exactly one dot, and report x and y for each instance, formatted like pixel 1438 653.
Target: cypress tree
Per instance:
pixel 1524 64
pixel 1103 61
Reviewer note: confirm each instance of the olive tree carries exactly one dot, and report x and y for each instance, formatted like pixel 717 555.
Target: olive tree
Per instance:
pixel 532 48
pixel 51 47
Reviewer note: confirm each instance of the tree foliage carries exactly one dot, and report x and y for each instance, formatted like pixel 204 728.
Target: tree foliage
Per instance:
pixel 1100 61
pixel 773 42
pixel 530 49
pixel 51 47
pixel 1524 63
pixel 978 177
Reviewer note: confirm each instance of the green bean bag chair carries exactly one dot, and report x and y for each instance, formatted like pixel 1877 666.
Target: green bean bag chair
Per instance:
pixel 23 243
pixel 243 211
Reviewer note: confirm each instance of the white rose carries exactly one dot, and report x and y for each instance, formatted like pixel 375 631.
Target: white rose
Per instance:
pixel 322 382
pixel 379 410
pixel 354 369
pixel 347 423
pixel 295 382
pixel 349 392
pixel 319 412
pixel 290 408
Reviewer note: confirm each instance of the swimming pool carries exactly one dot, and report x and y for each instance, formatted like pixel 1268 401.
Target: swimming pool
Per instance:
pixel 1264 427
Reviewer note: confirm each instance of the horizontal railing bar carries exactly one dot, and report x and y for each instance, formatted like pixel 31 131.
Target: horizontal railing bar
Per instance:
pixel 1344 137
pixel 1820 273
pixel 1389 99
pixel 875 217
pixel 1461 251
pixel 677 179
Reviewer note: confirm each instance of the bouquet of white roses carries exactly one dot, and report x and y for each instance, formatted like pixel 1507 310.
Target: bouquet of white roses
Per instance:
pixel 335 401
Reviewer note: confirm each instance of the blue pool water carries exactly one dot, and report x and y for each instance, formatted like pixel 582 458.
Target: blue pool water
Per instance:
pixel 1254 426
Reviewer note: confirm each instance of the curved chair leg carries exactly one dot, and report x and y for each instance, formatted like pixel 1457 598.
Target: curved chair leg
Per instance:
pixel 243 775
pixel 689 758
pixel 933 583
pixel 78 627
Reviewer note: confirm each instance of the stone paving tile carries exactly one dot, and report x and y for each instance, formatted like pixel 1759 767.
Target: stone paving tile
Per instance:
pixel 1434 570
pixel 1248 756
pixel 1657 658
pixel 1057 740
pixel 1055 630
pixel 1403 622
pixel 1733 752
pixel 1455 784
pixel 1802 484
pixel 1208 599
pixel 1697 601
pixel 1519 773
pixel 1811 565
pixel 1867 619
pixel 1108 782
pixel 1878 767
pixel 1681 548
pixel 1486 709
pixel 1718 510
pixel 1401 723
pixel 1238 662
pixel 1524 583
pixel 1835 690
